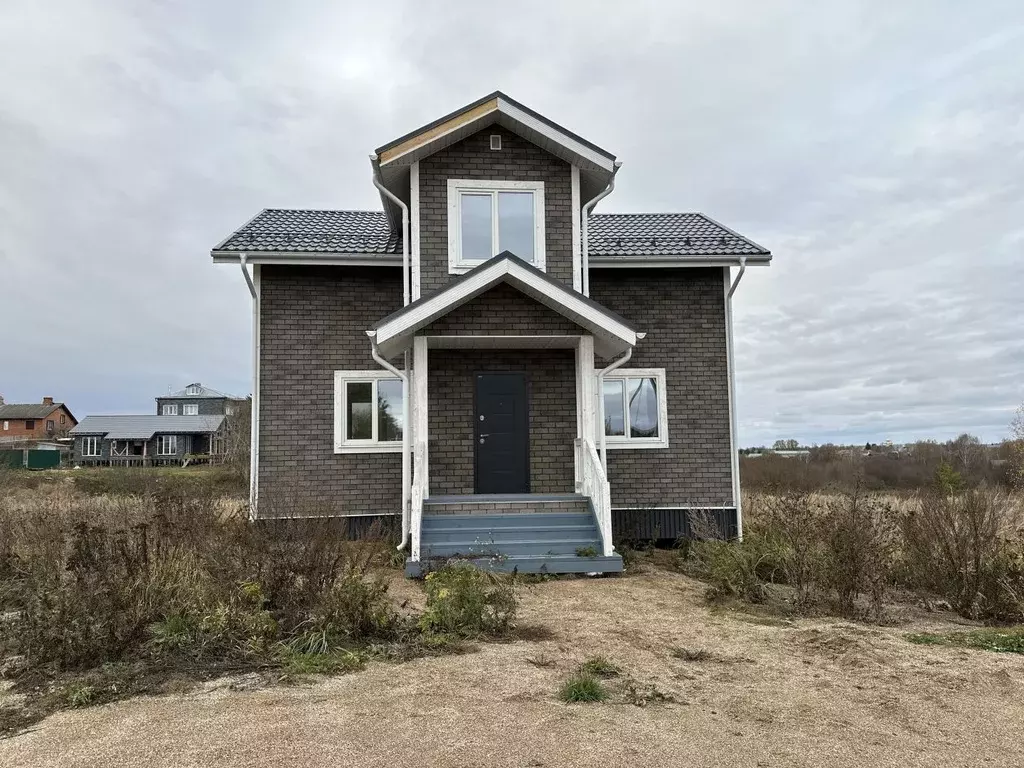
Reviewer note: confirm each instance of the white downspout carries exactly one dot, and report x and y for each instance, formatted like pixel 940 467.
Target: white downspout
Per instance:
pixel 600 402
pixel 736 491
pixel 584 234
pixel 406 464
pixel 406 296
pixel 254 413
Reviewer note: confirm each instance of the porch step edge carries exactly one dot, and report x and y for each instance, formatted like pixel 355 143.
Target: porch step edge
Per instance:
pixel 501 498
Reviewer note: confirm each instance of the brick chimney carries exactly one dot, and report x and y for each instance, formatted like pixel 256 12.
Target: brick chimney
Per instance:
pixel 47 401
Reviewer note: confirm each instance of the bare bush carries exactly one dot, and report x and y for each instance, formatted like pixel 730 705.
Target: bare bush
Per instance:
pixel 967 548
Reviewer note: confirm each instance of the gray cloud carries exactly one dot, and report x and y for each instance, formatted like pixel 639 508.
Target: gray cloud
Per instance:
pixel 877 148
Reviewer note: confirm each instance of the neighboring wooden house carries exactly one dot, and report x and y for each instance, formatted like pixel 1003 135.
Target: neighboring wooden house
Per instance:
pixel 197 400
pixel 24 422
pixel 147 440
pixel 515 378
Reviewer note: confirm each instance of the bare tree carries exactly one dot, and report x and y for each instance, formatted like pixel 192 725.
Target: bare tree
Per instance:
pixel 1017 449
pixel 967 454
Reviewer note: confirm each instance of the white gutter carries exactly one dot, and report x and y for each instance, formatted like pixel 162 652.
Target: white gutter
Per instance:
pixel 254 414
pixel 584 234
pixel 735 458
pixel 406 459
pixel 405 225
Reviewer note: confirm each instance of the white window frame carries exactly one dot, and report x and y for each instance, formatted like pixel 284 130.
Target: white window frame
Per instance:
pixel 166 445
pixel 456 187
pixel 341 443
pixel 190 409
pixel 126 444
pixel 7 425
pixel 618 442
pixel 192 389
pixel 169 409
pixel 91 446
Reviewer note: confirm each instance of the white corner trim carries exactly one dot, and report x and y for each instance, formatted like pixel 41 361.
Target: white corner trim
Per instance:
pixel 614 442
pixel 456 264
pixel 577 243
pixel 341 443
pixel 734 457
pixel 414 226
pixel 254 414
pixel 483 278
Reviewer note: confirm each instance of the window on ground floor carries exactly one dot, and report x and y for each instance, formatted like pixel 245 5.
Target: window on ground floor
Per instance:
pixel 30 424
pixel 90 446
pixel 635 412
pixel 368 412
pixel 486 218
pixel 166 445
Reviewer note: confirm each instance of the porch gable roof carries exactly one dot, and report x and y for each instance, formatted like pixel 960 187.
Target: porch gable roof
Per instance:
pixel 612 333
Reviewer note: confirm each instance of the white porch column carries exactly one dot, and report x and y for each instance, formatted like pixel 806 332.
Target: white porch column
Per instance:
pixel 420 403
pixel 585 402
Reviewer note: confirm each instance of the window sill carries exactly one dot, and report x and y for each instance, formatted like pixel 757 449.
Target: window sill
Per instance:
pixel 619 445
pixel 373 448
pixel 463 267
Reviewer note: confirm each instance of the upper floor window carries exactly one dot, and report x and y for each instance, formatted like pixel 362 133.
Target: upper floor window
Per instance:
pixel 63 418
pixel 170 409
pixel 635 412
pixel 190 409
pixel 486 218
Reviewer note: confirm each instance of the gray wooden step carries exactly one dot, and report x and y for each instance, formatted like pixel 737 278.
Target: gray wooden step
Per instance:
pixel 548 564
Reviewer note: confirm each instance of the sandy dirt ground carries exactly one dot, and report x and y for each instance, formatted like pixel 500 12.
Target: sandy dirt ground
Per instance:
pixel 806 693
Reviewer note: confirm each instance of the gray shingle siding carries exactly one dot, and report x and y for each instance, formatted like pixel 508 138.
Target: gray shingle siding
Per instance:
pixel 312 323
pixel 551 387
pixel 199 443
pixel 683 313
pixel 472 158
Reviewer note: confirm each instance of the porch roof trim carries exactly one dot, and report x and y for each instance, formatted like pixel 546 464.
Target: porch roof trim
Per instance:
pixel 613 334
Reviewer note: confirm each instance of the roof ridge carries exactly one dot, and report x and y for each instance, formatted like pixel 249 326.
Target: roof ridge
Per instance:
pixel 321 210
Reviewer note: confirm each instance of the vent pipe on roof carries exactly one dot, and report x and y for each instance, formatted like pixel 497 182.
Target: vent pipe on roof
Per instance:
pixel 584 234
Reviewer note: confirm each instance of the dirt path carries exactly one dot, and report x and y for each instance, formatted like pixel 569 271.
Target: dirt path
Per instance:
pixel 811 694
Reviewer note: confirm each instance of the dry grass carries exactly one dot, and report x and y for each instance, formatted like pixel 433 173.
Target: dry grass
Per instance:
pixel 804 693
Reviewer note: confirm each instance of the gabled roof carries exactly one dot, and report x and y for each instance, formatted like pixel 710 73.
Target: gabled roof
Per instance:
pixel 202 393
pixel 365 236
pixel 495 108
pixel 27 410
pixel 144 427
pixel 612 333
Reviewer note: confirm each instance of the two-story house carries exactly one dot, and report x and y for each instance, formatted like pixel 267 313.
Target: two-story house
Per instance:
pixel 517 379
pixel 197 400
pixel 34 421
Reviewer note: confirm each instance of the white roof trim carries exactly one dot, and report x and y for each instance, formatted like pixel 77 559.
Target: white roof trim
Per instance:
pixel 611 336
pixel 311 257
pixel 555 135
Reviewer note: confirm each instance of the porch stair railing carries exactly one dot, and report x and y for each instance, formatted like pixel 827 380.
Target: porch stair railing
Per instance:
pixel 594 485
pixel 416 501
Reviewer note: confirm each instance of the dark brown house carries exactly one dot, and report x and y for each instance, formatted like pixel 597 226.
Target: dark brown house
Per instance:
pixel 516 378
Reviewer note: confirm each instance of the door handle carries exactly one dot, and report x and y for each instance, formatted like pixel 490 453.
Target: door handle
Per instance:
pixel 485 434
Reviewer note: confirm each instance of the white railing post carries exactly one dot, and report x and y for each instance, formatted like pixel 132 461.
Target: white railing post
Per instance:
pixel 594 485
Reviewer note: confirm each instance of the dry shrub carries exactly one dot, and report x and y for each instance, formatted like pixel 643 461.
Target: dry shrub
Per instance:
pixel 968 549
pixel 465 601
pixel 96 581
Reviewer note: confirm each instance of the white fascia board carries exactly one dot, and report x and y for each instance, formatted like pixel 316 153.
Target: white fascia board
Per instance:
pixel 563 301
pixel 682 261
pixel 330 259
pixel 571 144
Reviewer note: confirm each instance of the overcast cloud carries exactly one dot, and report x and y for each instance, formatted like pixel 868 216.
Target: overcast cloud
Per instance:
pixel 876 147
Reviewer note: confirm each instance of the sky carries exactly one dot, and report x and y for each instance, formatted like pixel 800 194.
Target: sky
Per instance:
pixel 877 148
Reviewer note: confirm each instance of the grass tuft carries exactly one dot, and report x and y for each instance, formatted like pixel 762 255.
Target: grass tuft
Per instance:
pixel 997 640
pixel 582 687
pixel 691 654
pixel 599 666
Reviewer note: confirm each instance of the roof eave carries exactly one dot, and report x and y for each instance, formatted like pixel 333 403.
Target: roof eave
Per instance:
pixel 306 257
